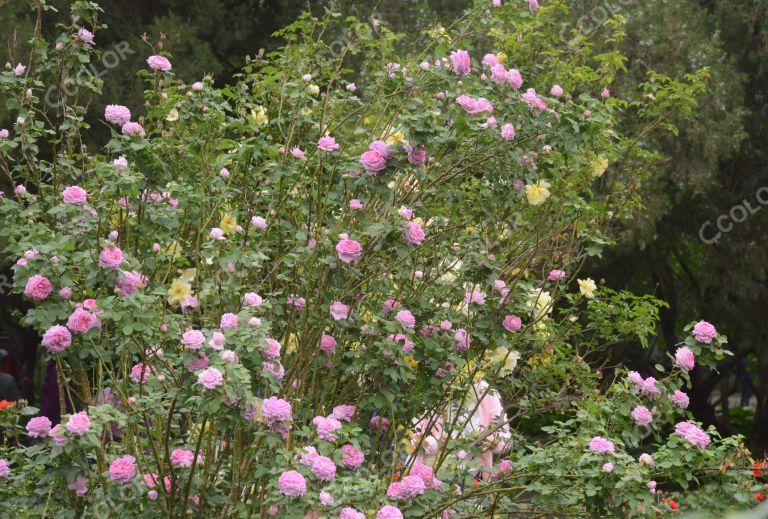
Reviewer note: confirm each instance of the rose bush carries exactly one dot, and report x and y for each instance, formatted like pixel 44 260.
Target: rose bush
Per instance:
pixel 261 298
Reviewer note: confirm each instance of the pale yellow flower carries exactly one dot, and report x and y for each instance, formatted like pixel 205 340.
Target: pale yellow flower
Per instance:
pixel 587 287
pixel 173 115
pixel 599 165
pixel 413 363
pixel 306 112
pixel 395 138
pixel 173 250
pixel 540 302
pixel 509 360
pixel 188 275
pixel 179 291
pixel 292 344
pixel 313 89
pixel 259 115
pixel 228 223
pixel 537 193
pixel 501 57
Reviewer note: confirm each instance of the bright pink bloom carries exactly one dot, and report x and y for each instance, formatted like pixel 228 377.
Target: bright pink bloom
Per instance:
pixel 38 288
pixel 326 499
pixel 327 144
pixel 271 350
pixel 339 311
pixel 79 423
pixel 389 512
pixel 323 468
pixel 38 427
pixel 684 358
pixel 123 469
pixel 82 321
pixel 416 156
pixel 514 78
pixel 328 344
pixel 275 410
pixel 350 513
pixel 533 100
pixel 292 484
pixel 351 457
pixel 462 63
pixel 253 299
pixel 355 204
pixel 461 340
pixel 343 412
pixel 642 415
pixel 693 434
pixel 133 129
pixel 704 332
pixel 117 114
pixel 556 275
pixel 508 132
pixel 600 445
pixel 5 471
pixel 210 378
pixel 128 283
pixel 372 162
pixel 406 213
pixel 58 439
pixel 159 63
pixel 474 106
pixel 228 320
pixel 349 250
pixel 326 427
pixel 184 458
pixel 680 399
pixel 193 339
pixel 57 339
pixel 140 373
pixel 512 323
pixel 110 257
pixel 74 195
pixel 406 319
pixel 414 234
pixel 650 388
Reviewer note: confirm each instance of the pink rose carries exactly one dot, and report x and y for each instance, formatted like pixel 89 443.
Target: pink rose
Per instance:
pixel 642 415
pixel 38 288
pixel 110 257
pixel 556 90
pixel 372 162
pixel 349 250
pixel 339 311
pixel 704 332
pixel 123 469
pixel 684 358
pixel 406 319
pixel 79 423
pixel 512 323
pixel 159 63
pixel 600 445
pixel 74 195
pixel 414 234
pixel 57 339
pixel 461 340
pixel 133 129
pixel 117 114
pixel 272 349
pixel 292 484
pixel 193 339
pixel 228 320
pixel 462 63
pixel 474 106
pixel 328 144
pixel 328 344
pixel 382 148
pixel 210 378
pixel 82 321
pixel 38 427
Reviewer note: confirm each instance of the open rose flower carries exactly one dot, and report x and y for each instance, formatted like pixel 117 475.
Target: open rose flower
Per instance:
pixel 349 250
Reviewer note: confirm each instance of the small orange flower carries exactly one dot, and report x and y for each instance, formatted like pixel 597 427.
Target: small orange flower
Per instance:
pixel 758 469
pixel 759 496
pixel 4 404
pixel 672 504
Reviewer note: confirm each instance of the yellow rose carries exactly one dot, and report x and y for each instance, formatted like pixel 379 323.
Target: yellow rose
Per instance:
pixel 413 363
pixel 395 138
pixel 599 165
pixel 228 223
pixel 501 57
pixel 537 193
pixel 173 250
pixel 259 115
pixel 179 291
pixel 313 89
pixel 587 287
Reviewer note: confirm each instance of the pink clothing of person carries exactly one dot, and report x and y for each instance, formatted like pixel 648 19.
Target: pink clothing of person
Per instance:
pixel 487 414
